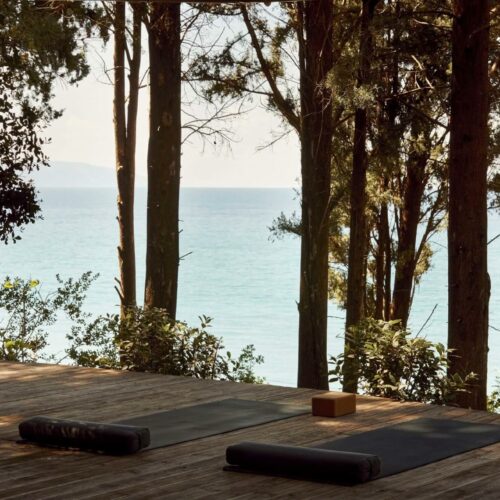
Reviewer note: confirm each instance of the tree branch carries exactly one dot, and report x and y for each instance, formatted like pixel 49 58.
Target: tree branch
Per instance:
pixel 281 103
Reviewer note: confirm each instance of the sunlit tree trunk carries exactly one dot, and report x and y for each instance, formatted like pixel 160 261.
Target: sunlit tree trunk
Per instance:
pixel 164 158
pixel 468 283
pixel 317 129
pixel 379 271
pixel 393 138
pixel 356 282
pixel 385 237
pixel 125 123
pixel 413 190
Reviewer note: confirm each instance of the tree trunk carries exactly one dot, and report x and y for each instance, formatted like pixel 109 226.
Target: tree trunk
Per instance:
pixel 125 121
pixel 392 139
pixel 406 258
pixel 379 271
pixel 468 284
pixel 385 237
pixel 164 158
pixel 356 282
pixel 317 130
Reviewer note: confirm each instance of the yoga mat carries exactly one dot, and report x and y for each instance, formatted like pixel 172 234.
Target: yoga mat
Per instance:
pixel 194 422
pixel 418 442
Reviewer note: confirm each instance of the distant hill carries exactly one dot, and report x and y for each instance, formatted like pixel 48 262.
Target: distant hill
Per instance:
pixel 73 175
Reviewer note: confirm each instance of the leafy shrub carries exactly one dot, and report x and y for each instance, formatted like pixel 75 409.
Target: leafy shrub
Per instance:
pixel 394 364
pixel 148 340
pixel 93 344
pixel 494 402
pixel 242 368
pixel 494 398
pixel 26 313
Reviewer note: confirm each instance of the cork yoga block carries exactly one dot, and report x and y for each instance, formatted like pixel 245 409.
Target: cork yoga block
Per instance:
pixel 333 404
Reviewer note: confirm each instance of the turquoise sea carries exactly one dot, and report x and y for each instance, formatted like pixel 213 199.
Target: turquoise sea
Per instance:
pixel 233 271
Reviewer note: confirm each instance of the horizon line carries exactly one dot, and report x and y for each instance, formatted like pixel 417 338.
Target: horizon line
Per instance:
pixel 142 186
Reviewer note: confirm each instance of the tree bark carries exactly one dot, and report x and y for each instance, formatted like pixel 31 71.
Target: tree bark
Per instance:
pixel 379 271
pixel 392 139
pixel 406 257
pixel 125 122
pixel 356 282
pixel 385 237
pixel 316 57
pixel 164 158
pixel 468 284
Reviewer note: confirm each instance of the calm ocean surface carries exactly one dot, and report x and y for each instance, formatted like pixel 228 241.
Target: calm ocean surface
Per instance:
pixel 234 272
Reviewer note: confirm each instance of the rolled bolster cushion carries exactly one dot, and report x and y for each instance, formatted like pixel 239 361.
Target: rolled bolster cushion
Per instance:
pixel 112 439
pixel 310 463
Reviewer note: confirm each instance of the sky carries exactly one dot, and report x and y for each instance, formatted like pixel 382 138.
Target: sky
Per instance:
pixel 84 134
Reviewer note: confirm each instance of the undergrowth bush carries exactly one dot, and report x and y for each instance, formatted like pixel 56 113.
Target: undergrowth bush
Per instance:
pixel 26 313
pixel 393 363
pixel 146 340
pixel 494 398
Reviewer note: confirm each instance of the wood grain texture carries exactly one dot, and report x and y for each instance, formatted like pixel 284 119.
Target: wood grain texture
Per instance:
pixel 194 470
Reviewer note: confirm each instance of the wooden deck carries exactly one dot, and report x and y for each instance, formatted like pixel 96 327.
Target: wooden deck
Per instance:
pixel 193 470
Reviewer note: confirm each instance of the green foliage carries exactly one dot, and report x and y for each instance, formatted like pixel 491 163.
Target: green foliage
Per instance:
pixel 494 398
pixel 43 42
pixel 231 70
pixel 494 189
pixel 394 364
pixel 40 43
pixel 94 343
pixel 147 340
pixel 26 314
pixel 242 368
pixel 284 225
pixel 20 153
pixel 494 401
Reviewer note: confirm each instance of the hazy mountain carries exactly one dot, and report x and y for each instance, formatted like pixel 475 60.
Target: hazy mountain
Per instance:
pixel 73 175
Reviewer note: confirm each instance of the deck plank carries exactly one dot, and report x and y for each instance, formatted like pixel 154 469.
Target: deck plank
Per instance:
pixel 193 470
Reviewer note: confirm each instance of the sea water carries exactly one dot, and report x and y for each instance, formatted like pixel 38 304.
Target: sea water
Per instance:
pixel 232 269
